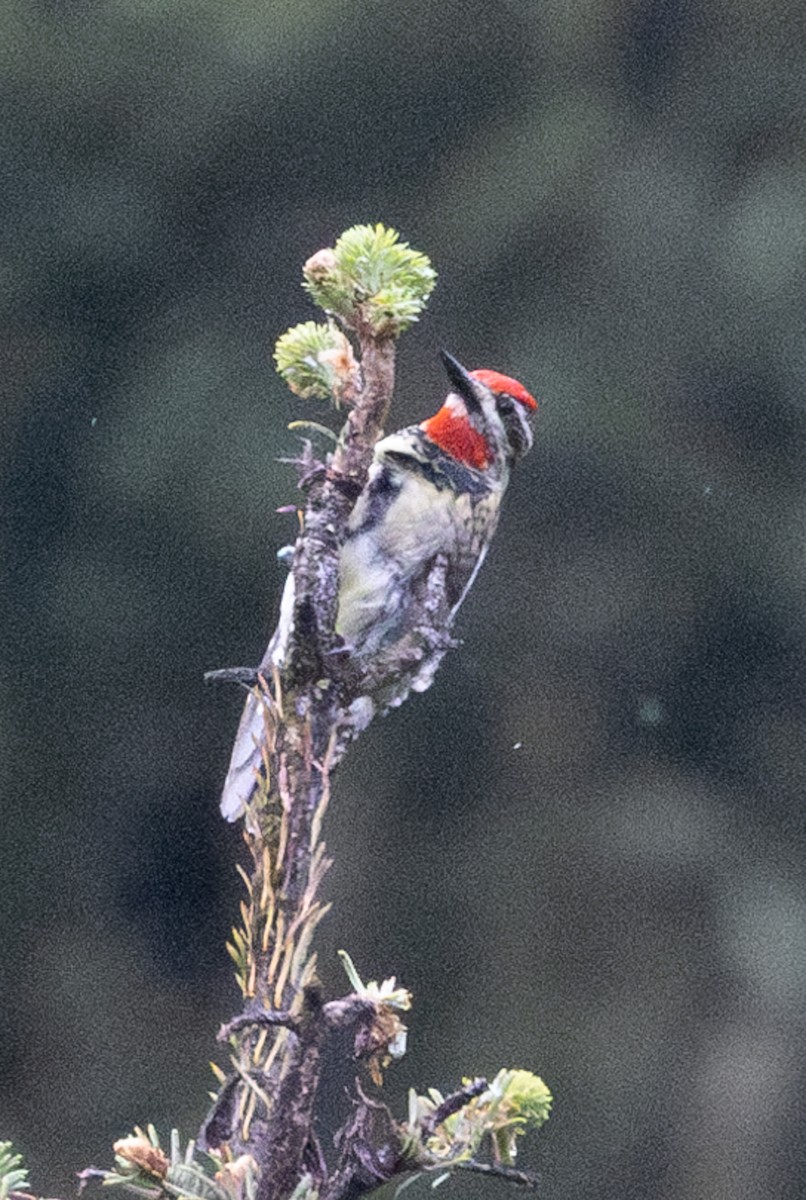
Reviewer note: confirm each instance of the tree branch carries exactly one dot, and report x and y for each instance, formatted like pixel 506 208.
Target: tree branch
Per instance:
pixel 305 719
pixel 308 688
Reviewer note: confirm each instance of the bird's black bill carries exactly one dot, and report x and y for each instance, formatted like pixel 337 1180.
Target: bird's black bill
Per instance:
pixel 461 381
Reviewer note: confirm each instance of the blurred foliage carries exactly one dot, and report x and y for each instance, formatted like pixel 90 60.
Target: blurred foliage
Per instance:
pixel 13 1176
pixel 315 361
pixel 601 799
pixel 371 278
pixel 143 1167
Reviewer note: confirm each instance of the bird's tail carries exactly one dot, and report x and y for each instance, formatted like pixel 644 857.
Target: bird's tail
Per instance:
pixel 249 759
pixel 250 751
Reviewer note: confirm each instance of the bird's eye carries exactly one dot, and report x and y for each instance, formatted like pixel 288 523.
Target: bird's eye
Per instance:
pixel 505 403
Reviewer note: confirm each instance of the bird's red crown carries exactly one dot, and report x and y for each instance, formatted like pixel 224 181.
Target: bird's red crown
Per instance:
pixel 497 382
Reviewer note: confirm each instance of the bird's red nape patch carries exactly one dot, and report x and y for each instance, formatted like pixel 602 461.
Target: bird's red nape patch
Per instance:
pixel 497 382
pixel 454 434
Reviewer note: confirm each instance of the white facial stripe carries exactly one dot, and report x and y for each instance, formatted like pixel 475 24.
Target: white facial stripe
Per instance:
pixel 456 405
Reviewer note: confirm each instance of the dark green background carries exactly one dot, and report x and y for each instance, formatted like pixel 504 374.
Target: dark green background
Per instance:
pixel 581 847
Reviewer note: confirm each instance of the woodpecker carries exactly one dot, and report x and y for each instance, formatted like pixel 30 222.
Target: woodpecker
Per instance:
pixel 433 493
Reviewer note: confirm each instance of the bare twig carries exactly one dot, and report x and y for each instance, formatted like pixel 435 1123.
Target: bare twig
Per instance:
pixel 450 1105
pixel 509 1174
pixel 261 1018
pixel 336 1014
pixel 247 676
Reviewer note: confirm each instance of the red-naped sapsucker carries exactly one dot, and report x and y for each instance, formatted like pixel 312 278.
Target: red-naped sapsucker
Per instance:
pixel 433 495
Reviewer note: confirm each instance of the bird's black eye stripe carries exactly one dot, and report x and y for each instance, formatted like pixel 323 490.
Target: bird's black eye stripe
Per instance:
pixel 505 402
